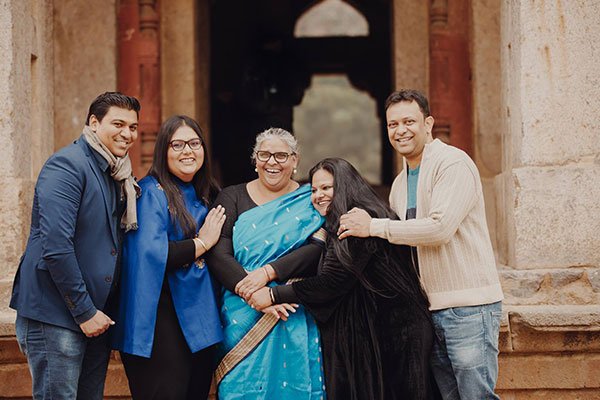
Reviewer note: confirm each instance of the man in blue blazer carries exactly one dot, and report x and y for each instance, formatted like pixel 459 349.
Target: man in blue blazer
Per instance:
pixel 67 278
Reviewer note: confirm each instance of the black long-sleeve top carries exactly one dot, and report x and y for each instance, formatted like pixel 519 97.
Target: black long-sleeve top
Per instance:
pixel 228 271
pixel 376 331
pixel 322 294
pixel 180 253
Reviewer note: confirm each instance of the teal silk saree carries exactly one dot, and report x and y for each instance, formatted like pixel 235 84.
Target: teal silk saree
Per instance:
pixel 267 358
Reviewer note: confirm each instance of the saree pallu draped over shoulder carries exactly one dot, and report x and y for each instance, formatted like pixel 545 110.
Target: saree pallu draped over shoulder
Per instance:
pixel 266 358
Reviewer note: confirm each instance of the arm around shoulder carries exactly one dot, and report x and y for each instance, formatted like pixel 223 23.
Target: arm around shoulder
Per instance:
pixel 453 194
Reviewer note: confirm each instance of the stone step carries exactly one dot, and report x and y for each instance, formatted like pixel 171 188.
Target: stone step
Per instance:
pixel 563 286
pixel 547 328
pixel 5 292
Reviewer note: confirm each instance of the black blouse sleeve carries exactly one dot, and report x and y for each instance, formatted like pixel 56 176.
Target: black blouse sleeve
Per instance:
pixel 220 259
pixel 180 253
pixel 301 262
pixel 322 294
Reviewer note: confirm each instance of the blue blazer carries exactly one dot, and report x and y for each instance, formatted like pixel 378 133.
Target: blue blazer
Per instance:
pixel 145 253
pixel 67 270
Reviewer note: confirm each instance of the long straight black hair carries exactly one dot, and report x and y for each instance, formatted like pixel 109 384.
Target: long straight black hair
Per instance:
pixel 381 268
pixel 203 181
pixel 351 190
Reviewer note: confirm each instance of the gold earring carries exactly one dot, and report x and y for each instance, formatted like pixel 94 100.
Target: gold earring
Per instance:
pixel 295 170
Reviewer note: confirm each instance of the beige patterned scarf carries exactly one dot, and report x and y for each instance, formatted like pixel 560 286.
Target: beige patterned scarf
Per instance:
pixel 120 171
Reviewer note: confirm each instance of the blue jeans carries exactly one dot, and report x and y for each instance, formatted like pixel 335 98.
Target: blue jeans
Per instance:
pixel 465 354
pixel 64 364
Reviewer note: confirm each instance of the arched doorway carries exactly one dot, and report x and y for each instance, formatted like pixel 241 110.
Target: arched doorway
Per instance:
pixel 260 70
pixel 245 70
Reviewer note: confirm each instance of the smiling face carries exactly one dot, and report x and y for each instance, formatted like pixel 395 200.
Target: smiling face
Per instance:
pixel 408 130
pixel 117 130
pixel 273 175
pixel 185 163
pixel 322 191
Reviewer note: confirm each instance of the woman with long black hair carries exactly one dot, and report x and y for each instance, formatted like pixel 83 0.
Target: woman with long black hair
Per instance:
pixel 371 310
pixel 168 322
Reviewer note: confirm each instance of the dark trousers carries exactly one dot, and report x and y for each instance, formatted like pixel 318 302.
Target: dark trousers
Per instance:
pixel 173 371
pixel 64 364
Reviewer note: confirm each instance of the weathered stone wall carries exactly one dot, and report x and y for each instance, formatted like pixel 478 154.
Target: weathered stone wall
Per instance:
pixel 185 60
pixel 551 168
pixel 85 61
pixel 548 212
pixel 26 140
pixel 26 122
pixel 57 56
pixel 485 72
pixel 410 49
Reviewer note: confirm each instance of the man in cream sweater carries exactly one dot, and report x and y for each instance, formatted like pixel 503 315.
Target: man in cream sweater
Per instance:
pixel 439 201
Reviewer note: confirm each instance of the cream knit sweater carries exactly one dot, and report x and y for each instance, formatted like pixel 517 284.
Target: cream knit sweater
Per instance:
pixel 456 259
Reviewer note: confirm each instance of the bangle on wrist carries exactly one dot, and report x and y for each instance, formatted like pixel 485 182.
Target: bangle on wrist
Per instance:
pixel 267 274
pixel 271 295
pixel 202 243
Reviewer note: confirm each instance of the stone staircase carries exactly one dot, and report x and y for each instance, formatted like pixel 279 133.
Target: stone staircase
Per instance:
pixel 549 339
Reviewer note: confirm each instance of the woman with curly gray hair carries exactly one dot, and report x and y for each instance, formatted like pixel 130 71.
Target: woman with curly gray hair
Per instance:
pixel 271 234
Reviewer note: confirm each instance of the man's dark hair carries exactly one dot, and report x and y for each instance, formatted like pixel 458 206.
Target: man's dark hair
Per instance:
pixel 203 181
pixel 106 100
pixel 409 95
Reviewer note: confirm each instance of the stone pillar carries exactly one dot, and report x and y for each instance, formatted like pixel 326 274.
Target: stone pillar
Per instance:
pixel 410 49
pixel 185 60
pixel 551 167
pixel 57 56
pixel 486 92
pixel 85 58
pixel 26 125
pixel 450 73
pixel 26 140
pixel 139 72
pixel 548 191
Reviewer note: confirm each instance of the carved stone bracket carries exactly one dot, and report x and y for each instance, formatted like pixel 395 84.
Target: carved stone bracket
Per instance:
pixel 439 13
pixel 149 18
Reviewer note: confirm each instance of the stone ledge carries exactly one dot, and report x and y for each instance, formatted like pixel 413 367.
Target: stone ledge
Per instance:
pixel 549 371
pixel 15 381
pixel 545 394
pixel 552 350
pixel 7 323
pixel 544 329
pixel 6 285
pixel 557 318
pixel 561 286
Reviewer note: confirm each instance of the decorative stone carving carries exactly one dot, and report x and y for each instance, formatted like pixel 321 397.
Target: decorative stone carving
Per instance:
pixel 439 13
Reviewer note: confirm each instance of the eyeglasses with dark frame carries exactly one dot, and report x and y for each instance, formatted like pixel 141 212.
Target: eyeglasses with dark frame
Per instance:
pixel 178 144
pixel 280 157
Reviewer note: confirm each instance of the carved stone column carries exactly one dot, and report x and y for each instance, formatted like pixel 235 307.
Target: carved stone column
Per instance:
pixel 139 71
pixel 450 72
pixel 410 50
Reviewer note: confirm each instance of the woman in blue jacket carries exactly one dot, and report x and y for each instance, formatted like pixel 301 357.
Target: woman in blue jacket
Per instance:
pixel 168 320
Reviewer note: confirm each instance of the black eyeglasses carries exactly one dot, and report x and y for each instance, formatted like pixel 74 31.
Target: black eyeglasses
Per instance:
pixel 279 157
pixel 179 145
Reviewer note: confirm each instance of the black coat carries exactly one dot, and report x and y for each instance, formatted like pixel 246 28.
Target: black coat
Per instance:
pixel 376 330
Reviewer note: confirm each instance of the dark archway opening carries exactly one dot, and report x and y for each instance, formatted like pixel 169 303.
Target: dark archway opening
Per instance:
pixel 260 71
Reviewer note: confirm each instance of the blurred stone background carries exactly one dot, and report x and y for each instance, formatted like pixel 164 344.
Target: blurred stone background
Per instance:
pixel 515 83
